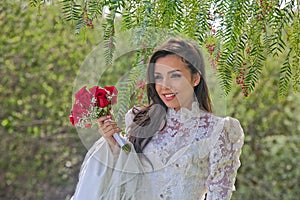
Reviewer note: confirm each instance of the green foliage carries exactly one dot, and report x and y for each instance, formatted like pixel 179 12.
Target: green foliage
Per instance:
pixel 128 88
pixel 40 58
pixel 72 11
pixel 239 35
pixel 273 173
pixel 271 125
pixel 238 27
pixel 286 75
pixel 109 42
pixel 40 151
pixel 37 3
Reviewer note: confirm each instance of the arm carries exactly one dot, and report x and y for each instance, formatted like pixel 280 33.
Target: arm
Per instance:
pixel 98 168
pixel 95 172
pixel 224 160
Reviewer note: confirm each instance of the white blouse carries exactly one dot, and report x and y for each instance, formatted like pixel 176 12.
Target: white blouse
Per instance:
pixel 195 153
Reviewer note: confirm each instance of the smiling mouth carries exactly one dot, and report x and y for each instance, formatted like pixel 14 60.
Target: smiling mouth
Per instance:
pixel 169 96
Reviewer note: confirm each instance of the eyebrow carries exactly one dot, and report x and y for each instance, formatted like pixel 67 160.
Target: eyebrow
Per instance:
pixel 169 72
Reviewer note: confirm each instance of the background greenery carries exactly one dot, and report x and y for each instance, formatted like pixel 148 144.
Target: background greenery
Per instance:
pixel 41 153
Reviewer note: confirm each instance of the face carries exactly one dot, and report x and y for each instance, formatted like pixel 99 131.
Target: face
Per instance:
pixel 174 82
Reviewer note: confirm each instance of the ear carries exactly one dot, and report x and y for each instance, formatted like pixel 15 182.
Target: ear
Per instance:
pixel 196 79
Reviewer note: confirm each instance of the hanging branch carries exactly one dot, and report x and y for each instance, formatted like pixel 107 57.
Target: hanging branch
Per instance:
pixel 71 10
pixel 239 35
pixel 285 75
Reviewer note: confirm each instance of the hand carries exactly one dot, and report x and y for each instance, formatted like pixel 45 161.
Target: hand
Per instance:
pixel 107 127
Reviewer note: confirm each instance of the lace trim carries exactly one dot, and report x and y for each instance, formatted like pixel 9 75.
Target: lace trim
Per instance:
pixel 184 114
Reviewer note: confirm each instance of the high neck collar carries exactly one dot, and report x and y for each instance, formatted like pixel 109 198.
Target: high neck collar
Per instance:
pixel 184 114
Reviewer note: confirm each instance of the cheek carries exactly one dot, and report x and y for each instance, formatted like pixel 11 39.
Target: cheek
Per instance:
pixel 157 87
pixel 182 84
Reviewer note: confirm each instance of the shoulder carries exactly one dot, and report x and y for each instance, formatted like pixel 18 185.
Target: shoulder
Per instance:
pixel 231 123
pixel 227 127
pixel 231 131
pixel 227 138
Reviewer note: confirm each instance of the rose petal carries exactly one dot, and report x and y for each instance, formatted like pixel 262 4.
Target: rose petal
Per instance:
pixel 84 97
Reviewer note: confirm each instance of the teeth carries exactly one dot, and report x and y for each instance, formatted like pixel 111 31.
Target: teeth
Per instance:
pixel 169 95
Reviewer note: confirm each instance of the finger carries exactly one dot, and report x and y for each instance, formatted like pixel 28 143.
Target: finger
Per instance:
pixel 102 119
pixel 111 129
pixel 107 133
pixel 108 126
pixel 108 136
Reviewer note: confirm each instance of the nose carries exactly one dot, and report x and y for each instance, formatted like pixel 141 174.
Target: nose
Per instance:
pixel 165 83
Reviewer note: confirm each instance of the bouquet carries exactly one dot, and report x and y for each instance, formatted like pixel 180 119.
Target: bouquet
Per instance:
pixel 92 103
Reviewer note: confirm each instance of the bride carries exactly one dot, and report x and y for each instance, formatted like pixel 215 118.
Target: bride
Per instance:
pixel 179 149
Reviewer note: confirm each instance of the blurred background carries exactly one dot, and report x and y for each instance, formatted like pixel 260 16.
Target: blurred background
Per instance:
pixel 41 153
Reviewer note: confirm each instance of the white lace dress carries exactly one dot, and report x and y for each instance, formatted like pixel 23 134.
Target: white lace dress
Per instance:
pixel 196 153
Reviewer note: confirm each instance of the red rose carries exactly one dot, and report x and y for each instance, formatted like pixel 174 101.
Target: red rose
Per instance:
pixel 78 112
pixel 87 102
pixel 101 97
pixel 93 90
pixel 84 97
pixel 113 92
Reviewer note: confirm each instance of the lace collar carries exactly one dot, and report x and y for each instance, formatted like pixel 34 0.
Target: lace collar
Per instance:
pixel 184 114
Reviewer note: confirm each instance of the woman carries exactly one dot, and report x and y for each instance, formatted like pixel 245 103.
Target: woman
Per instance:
pixel 180 149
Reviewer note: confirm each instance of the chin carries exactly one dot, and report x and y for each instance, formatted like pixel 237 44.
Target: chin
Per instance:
pixel 169 105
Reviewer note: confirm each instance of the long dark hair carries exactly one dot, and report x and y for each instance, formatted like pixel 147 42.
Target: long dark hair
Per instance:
pixel 149 119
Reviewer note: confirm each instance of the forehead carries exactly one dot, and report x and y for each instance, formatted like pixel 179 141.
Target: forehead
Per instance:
pixel 169 63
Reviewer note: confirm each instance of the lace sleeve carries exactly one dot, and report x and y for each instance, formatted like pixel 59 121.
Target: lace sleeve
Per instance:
pixel 224 160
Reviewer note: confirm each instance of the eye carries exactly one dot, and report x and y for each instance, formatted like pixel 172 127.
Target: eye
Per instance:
pixel 158 77
pixel 175 75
